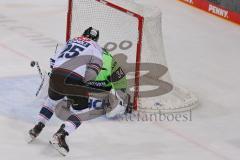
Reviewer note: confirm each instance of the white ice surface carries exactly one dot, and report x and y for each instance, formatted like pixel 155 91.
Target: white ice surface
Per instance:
pixel 203 54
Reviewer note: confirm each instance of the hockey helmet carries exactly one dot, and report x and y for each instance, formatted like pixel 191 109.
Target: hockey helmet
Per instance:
pixel 91 33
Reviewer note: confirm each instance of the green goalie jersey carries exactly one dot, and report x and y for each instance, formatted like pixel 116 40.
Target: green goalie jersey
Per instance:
pixel 111 75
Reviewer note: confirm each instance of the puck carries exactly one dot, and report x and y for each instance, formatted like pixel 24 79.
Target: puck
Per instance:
pixel 32 63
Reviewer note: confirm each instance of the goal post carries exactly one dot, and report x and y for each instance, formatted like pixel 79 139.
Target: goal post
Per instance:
pixel 133 34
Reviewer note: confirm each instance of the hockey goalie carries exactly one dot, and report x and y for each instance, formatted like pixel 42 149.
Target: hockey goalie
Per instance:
pixel 83 77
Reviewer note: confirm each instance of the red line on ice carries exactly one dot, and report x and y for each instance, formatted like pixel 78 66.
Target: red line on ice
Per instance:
pixel 20 54
pixel 195 142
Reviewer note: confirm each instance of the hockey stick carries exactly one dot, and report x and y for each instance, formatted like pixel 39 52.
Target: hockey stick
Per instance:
pixel 33 64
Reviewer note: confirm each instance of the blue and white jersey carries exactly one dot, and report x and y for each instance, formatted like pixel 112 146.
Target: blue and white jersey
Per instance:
pixel 77 55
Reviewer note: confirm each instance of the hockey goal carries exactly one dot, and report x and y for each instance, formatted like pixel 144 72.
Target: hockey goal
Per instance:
pixel 133 34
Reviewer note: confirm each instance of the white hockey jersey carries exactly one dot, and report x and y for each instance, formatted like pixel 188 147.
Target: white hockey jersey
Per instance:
pixel 77 55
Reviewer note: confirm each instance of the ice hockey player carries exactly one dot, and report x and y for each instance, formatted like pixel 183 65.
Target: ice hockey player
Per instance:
pixel 80 68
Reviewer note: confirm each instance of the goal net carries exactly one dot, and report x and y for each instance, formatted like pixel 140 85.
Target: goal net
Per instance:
pixel 133 34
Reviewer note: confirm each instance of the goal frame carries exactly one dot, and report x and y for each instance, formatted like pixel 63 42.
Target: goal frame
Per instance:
pixel 139 43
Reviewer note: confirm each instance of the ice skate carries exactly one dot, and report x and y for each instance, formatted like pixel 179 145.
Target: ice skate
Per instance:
pixel 35 131
pixel 58 141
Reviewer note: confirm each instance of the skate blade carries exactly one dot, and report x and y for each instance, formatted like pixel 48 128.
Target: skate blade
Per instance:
pixel 30 139
pixel 60 150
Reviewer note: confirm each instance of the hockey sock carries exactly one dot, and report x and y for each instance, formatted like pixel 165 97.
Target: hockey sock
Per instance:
pixel 47 110
pixel 72 123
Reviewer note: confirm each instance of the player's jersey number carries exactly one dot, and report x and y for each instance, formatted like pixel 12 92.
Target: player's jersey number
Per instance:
pixel 72 50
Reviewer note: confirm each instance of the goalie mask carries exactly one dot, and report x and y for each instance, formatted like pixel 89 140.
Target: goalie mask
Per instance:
pixel 91 33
